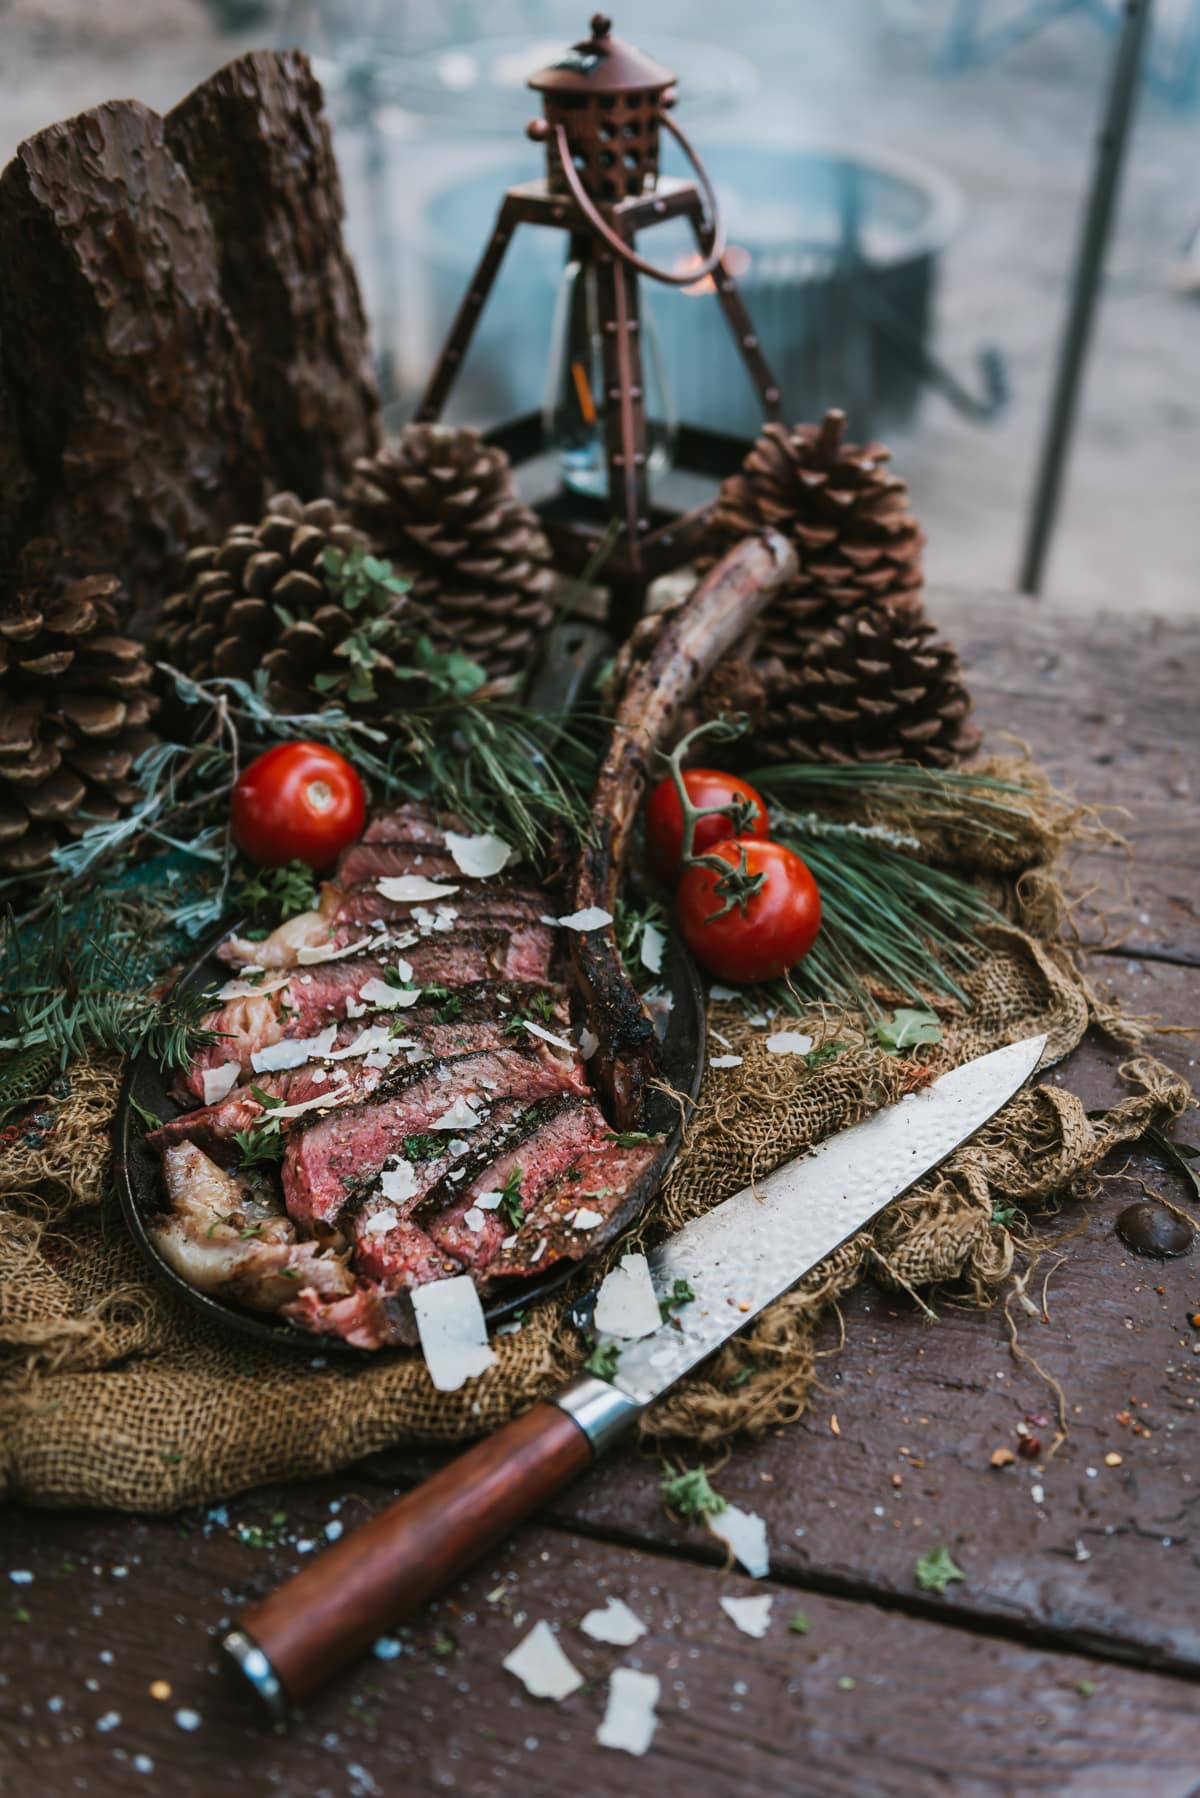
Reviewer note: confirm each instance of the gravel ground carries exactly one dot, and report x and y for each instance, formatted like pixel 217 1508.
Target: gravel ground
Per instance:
pixel 1016 137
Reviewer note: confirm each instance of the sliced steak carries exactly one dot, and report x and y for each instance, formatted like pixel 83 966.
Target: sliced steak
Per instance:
pixel 363 903
pixel 597 1185
pixel 355 1141
pixel 369 1319
pixel 413 823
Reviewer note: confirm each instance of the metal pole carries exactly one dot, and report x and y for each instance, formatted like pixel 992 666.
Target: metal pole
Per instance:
pixel 1106 176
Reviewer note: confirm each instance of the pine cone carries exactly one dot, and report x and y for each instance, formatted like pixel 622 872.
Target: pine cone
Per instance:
pixel 261 599
pixel 75 702
pixel 858 543
pixel 876 688
pixel 442 504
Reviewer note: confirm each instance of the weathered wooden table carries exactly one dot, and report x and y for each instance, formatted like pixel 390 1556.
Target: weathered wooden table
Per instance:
pixel 1064 1663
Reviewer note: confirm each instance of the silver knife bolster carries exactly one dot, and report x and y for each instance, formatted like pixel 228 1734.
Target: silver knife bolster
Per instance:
pixel 602 1412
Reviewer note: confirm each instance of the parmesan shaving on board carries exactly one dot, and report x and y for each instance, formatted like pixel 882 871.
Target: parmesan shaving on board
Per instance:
pixel 625 1304
pixel 629 1718
pixel 453 1331
pixel 541 1665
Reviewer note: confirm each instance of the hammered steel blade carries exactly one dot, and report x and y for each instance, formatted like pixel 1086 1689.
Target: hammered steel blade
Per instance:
pixel 749 1250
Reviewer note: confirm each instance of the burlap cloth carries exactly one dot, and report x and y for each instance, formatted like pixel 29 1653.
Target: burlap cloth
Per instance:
pixel 111 1394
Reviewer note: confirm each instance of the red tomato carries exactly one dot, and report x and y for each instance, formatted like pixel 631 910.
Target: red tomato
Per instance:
pixel 764 933
pixel 743 814
pixel 298 802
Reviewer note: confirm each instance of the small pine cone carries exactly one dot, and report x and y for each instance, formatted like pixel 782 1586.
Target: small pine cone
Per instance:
pixel 878 687
pixel 442 504
pixel 260 599
pixel 75 706
pixel 847 515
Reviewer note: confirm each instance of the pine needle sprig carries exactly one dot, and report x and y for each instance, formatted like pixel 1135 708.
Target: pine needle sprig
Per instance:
pixel 969 801
pixel 70 986
pixel 887 918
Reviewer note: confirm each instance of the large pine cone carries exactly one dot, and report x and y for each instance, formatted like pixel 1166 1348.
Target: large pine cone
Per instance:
pixel 847 514
pixel 261 599
pixel 75 704
pixel 442 504
pixel 876 688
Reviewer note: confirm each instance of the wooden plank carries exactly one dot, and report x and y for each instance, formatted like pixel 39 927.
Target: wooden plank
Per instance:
pixel 1104 704
pixel 866 1701
pixel 926 1404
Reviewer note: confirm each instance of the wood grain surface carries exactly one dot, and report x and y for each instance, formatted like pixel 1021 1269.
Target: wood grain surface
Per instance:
pixel 1064 1662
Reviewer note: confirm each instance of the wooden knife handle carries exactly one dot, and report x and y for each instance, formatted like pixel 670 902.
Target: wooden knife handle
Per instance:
pixel 353 1593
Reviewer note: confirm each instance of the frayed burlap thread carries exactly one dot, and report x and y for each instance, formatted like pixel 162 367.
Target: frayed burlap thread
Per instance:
pixel 112 1394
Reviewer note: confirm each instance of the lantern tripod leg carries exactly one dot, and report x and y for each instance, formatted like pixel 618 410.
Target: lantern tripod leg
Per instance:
pixel 738 319
pixel 467 317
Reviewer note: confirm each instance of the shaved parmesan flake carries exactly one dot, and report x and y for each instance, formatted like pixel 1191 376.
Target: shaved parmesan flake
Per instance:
pixel 322 1102
pixel 474 1219
pixel 308 954
pixel 353 1008
pixel 589 1042
pixel 788 1042
pixel 653 944
pixel 453 1332
pixel 381 1220
pixel 387 998
pixel 319 1076
pixel 716 991
pixel 538 1661
pixel 625 1304
pixel 416 1055
pixel 616 1623
pixel 399 1182
pixel 586 1219
pixel 592 917
pixel 219 1081
pixel 548 1036
pixel 251 989
pixel 293 1052
pixel 379 1058
pixel 745 1535
pixel 374 1036
pixel 629 1719
pixel 404 888
pixel 459 1117
pixel 752 1615
pixel 481 856
pixel 723 1040
pixel 489 1201
pixel 724 1061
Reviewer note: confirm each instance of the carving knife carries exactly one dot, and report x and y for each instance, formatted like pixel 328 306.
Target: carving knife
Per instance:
pixel 736 1259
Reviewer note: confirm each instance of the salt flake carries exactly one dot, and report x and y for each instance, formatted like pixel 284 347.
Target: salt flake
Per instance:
pixel 587 1219
pixel 629 1719
pixel 481 856
pixel 474 1218
pixel 381 1221
pixel 616 1623
pixel 745 1535
pixel 219 1081
pixel 592 917
pixel 752 1615
pixel 788 1042
pixel 453 1332
pixel 625 1304
pixel 589 1042
pixel 539 1662
pixel 404 888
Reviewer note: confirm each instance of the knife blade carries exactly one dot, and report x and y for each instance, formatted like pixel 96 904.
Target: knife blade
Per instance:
pixel 736 1258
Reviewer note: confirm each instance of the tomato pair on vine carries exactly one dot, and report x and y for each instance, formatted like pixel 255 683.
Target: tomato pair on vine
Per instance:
pixel 747 908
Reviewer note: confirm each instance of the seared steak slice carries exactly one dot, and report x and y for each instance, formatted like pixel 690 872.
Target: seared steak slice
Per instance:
pixel 593 1189
pixel 363 903
pixel 353 1143
pixel 369 1319
pixel 413 823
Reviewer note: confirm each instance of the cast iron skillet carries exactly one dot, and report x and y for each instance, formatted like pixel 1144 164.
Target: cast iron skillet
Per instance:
pixel 139 1178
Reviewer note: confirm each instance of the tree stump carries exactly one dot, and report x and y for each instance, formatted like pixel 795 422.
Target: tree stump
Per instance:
pixel 180 325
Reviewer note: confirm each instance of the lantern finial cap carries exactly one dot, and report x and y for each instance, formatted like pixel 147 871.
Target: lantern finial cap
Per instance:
pixel 601 25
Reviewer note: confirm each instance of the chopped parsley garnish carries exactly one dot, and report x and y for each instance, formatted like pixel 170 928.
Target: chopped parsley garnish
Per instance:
pixel 423 1147
pixel 629 1139
pixel 680 1294
pixel 511 1202
pixel 280 892
pixel 452 1009
pixel 263 1140
pixel 603 1361
pixel 689 1494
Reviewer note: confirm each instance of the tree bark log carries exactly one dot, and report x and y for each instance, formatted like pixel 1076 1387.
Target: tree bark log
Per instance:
pixel 180 326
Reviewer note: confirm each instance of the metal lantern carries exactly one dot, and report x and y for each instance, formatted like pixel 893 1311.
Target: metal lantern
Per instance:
pixel 605 105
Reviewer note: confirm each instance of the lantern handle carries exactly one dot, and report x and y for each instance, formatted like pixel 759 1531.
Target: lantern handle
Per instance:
pixel 617 244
